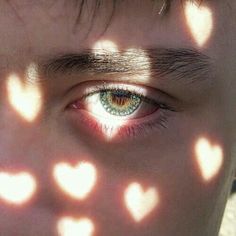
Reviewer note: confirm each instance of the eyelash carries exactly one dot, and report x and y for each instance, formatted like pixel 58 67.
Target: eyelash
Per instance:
pixel 137 129
pixel 105 88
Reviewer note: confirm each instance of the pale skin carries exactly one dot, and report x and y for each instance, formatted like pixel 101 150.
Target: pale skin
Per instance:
pixel 190 201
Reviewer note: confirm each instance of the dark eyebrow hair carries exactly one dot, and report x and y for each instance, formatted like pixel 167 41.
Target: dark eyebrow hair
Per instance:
pixel 185 64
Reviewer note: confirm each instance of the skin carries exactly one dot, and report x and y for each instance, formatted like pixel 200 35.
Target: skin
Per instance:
pixel 164 158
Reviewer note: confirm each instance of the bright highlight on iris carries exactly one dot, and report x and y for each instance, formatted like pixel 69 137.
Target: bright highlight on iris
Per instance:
pixel 200 21
pixel 76 181
pixel 25 98
pixel 140 203
pixel 68 226
pixel 209 158
pixel 17 188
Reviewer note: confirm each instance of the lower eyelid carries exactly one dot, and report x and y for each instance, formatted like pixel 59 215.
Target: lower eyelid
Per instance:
pixel 132 129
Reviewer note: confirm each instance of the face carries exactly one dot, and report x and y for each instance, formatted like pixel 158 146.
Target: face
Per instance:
pixel 118 121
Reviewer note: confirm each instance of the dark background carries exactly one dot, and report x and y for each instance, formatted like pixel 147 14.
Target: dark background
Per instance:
pixel 234 187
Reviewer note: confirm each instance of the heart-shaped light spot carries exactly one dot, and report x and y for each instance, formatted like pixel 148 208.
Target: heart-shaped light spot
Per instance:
pixel 140 203
pixel 16 188
pixel 200 21
pixel 210 158
pixel 76 181
pixel 25 98
pixel 68 226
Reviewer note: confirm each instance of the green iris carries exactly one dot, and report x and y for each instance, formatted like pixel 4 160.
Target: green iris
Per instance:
pixel 120 102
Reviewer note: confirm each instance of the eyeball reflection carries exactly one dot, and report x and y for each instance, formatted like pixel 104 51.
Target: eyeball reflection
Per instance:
pixel 68 226
pixel 200 21
pixel 140 203
pixel 209 158
pixel 17 188
pixel 77 181
pixel 25 98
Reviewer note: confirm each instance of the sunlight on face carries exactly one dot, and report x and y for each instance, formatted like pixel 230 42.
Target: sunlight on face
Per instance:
pixel 18 188
pixel 209 158
pixel 108 46
pixel 111 123
pixel 25 98
pixel 105 45
pixel 68 226
pixel 200 22
pixel 140 203
pixel 77 181
pixel 142 58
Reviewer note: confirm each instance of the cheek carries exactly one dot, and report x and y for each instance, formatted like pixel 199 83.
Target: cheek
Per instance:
pixel 129 188
pixel 25 98
pixel 17 188
pixel 75 181
pixel 209 158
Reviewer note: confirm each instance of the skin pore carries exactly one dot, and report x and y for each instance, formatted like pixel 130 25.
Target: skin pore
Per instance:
pixel 175 152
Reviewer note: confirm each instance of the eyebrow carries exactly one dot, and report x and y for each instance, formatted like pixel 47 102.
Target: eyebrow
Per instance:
pixel 187 65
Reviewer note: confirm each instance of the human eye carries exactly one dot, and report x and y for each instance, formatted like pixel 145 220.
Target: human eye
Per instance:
pixel 122 109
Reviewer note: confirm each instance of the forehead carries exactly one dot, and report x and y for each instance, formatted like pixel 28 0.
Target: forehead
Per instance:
pixel 66 24
pixel 60 26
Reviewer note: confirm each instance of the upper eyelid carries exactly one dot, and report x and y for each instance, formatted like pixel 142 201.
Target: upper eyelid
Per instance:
pixel 144 98
pixel 135 89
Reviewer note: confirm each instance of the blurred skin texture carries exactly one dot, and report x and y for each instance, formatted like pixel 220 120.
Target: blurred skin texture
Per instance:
pixel 181 170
